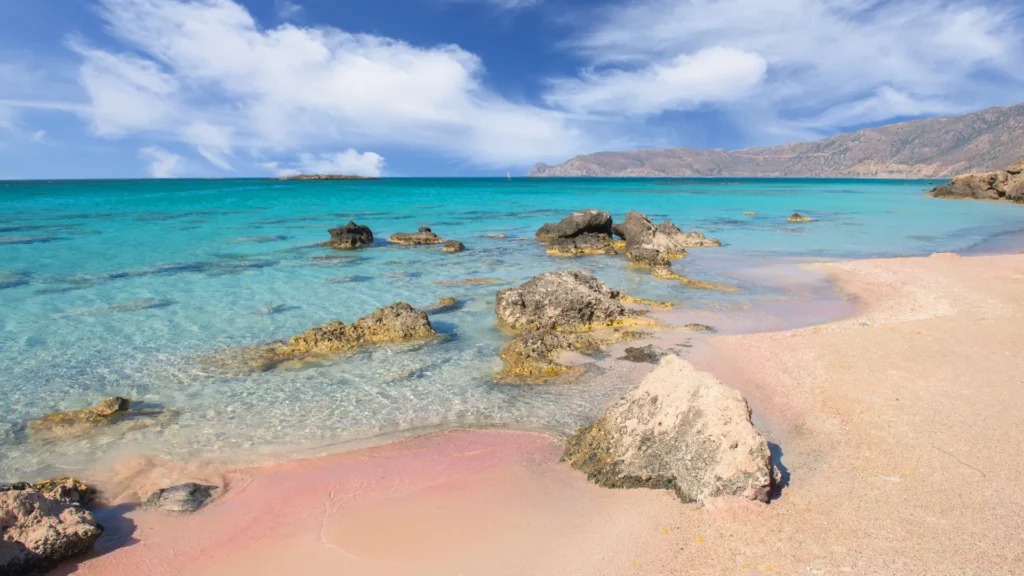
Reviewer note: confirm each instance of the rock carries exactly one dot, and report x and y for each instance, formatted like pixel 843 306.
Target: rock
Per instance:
pixel 644 354
pixel 1000 185
pixel 392 324
pixel 634 226
pixel 66 490
pixel 182 498
pixel 582 245
pixel 650 245
pixel 680 430
pixel 750 213
pixel 39 532
pixel 568 301
pixel 583 222
pixel 532 356
pixel 444 305
pixel 351 235
pixel 698 328
pixel 666 273
pixel 423 236
pixel 798 217
pixel 77 422
pixel 495 235
pixel 453 246
pixel 645 302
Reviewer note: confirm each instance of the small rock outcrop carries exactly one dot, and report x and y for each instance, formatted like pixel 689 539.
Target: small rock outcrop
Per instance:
pixel 77 422
pixel 582 245
pixel 349 236
pixel 644 354
pixel 798 217
pixel 444 305
pixel 423 236
pixel 583 222
pixel 533 355
pixel 650 245
pixel 1000 185
pixel 453 246
pixel 680 430
pixel 187 497
pixel 570 301
pixel 38 532
pixel 393 324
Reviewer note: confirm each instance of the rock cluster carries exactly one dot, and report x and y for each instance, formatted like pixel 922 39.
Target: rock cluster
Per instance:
pixel 393 324
pixel 349 236
pixel 680 430
pixel 38 531
pixel 1000 185
pixel 423 236
pixel 187 497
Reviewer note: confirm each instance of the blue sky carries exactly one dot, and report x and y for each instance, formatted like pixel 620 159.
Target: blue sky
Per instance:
pixel 222 88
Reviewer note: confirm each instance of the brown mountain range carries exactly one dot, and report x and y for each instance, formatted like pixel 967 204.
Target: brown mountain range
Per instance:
pixel 932 148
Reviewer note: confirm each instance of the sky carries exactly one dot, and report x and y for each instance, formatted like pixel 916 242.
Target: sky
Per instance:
pixel 241 88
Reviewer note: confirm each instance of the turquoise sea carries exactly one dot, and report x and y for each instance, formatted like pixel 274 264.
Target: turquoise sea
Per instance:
pixel 118 287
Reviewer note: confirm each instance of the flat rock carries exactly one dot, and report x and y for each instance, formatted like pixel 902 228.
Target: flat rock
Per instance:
pixel 78 422
pixel 351 235
pixel 422 236
pixel 582 245
pixel 680 430
pixel 798 217
pixel 39 532
pixel 644 354
pixel 453 246
pixel 569 301
pixel 187 497
pixel 583 222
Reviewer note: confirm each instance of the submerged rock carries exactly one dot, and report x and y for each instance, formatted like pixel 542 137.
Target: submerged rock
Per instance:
pixel 469 282
pixel 1000 185
pixel 568 301
pixel 77 422
pixel 644 354
pixel 351 235
pixel 444 305
pixel 533 355
pixel 665 272
pixel 423 236
pixel 679 430
pixel 583 222
pixel 798 217
pixel 582 245
pixel 182 498
pixel 453 246
pixel 38 532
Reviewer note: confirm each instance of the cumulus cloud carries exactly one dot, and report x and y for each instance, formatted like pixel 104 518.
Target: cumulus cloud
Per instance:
pixel 830 64
pixel 349 162
pixel 709 75
pixel 161 163
pixel 204 72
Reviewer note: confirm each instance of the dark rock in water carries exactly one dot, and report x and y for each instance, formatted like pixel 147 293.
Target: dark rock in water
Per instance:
pixel 453 246
pixel 650 245
pixel 582 245
pixel 1000 185
pixel 423 236
pixel 351 235
pixel 347 279
pixel 583 222
pixel 570 300
pixel 798 217
pixel 77 422
pixel 698 328
pixel 633 227
pixel 679 430
pixel 644 354
pixel 38 532
pixel 532 356
pixel 182 498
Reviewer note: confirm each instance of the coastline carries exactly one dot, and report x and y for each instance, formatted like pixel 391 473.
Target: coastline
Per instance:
pixel 895 430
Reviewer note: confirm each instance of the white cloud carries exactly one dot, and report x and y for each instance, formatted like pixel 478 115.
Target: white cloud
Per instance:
pixel 203 72
pixel 162 164
pixel 503 4
pixel 709 75
pixel 287 10
pixel 349 162
pixel 830 63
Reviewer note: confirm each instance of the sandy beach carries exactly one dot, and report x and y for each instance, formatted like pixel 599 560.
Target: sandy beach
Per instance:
pixel 900 438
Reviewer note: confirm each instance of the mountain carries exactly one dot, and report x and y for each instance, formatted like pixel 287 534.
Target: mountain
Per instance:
pixel 932 148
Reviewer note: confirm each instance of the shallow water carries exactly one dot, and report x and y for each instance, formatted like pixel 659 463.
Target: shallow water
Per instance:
pixel 116 288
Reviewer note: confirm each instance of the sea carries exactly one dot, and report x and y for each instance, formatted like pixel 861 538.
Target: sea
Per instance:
pixel 124 287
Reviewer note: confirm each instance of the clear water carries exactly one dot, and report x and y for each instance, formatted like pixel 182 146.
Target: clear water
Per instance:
pixel 117 287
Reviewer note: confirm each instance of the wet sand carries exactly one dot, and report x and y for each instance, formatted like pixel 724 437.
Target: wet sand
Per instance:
pixel 899 431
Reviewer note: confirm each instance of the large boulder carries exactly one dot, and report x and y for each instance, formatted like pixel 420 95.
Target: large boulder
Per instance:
pixel 1000 185
pixel 37 532
pixel 681 430
pixel 187 497
pixel 568 301
pixel 351 235
pixel 423 236
pixel 78 422
pixel 650 245
pixel 583 222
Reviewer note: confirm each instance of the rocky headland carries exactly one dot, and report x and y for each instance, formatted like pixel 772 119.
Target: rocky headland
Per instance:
pixel 998 185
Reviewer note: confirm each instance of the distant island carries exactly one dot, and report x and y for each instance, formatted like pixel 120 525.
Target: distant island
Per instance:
pixel 325 177
pixel 983 141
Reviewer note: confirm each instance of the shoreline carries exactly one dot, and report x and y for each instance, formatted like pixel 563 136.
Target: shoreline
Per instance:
pixel 894 295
